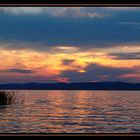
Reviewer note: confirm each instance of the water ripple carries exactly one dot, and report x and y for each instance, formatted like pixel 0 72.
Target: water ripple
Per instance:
pixel 72 112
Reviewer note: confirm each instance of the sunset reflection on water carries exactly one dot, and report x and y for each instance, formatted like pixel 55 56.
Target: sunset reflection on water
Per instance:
pixel 72 112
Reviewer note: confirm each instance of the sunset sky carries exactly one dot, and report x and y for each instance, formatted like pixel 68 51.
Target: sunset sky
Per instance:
pixel 69 44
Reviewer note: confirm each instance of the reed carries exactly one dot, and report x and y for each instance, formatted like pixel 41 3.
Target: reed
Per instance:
pixel 7 97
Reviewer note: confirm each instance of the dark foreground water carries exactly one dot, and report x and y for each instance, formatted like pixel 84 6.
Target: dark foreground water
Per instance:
pixel 72 112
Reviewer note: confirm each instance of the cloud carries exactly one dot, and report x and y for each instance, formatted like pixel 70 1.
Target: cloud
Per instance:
pixel 25 71
pixel 72 36
pixel 62 79
pixel 22 10
pixel 121 9
pixel 37 46
pixel 67 61
pixel 23 45
pixel 96 72
pixel 129 23
pixel 125 56
pixel 76 12
pixel 68 26
pixel 69 48
pixel 24 79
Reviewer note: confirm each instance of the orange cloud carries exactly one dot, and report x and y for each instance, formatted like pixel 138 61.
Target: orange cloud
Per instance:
pixel 50 63
pixel 130 76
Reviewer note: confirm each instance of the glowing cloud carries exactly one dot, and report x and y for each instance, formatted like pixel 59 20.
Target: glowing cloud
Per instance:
pixel 69 44
pixel 53 63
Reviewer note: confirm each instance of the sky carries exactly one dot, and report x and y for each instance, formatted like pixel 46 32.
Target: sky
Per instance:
pixel 69 44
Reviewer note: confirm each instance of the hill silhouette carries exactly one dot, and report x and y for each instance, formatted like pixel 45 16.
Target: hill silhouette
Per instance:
pixel 72 86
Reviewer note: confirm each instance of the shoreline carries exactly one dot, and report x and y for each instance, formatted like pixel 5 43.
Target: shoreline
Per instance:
pixel 81 89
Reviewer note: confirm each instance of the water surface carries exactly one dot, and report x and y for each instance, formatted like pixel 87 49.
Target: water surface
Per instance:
pixel 72 112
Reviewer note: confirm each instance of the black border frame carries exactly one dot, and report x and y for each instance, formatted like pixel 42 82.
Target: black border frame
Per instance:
pixel 70 3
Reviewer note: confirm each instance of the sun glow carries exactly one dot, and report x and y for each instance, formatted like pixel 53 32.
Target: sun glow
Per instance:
pixel 48 64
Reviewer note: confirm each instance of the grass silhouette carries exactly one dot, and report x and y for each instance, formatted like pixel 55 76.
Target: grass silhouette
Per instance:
pixel 7 97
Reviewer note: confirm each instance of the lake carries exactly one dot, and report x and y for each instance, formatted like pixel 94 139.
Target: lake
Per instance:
pixel 72 111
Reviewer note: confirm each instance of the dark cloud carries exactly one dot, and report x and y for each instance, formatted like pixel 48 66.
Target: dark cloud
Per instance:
pixel 57 30
pixel 125 56
pixel 25 79
pixel 95 72
pixel 67 61
pixel 18 71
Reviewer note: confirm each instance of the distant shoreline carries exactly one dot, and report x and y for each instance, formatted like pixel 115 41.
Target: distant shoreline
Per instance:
pixel 72 86
pixel 81 89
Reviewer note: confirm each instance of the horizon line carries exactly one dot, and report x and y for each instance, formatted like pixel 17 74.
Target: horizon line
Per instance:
pixel 72 82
